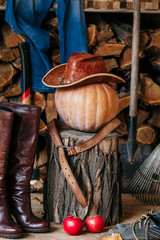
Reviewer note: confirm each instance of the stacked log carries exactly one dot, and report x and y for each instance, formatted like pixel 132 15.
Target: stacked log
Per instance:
pixel 112 41
pixel 10 91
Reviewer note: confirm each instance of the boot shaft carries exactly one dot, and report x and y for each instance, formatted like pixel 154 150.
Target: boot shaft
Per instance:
pixel 8 228
pixel 6 121
pixel 23 141
pixel 21 157
pixel 25 128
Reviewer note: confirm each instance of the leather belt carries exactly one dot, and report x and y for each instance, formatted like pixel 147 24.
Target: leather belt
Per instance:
pixel 73 150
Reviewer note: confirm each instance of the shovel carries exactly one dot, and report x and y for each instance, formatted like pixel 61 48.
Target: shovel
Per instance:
pixel 132 153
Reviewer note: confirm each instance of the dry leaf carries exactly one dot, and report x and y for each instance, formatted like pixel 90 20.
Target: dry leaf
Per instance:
pixel 114 236
pixel 38 200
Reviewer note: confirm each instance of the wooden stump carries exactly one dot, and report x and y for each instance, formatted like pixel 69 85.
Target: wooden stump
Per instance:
pixel 98 173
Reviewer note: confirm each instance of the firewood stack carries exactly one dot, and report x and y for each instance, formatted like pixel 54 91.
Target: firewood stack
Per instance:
pixel 113 41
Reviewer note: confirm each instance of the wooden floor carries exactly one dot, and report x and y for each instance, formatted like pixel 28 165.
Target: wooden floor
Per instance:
pixel 132 209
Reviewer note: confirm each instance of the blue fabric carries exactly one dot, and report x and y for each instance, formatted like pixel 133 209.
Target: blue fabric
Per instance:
pixel 26 16
pixel 72 27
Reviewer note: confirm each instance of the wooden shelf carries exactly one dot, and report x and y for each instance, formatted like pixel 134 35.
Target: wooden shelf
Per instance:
pixel 92 10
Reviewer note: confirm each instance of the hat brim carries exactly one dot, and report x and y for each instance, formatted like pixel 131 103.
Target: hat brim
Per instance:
pixel 54 78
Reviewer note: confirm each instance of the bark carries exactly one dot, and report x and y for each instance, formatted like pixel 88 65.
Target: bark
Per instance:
pixel 98 173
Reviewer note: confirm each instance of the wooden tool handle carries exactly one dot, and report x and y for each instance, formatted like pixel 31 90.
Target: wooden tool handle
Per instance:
pixel 134 80
pixel 26 77
pixel 135 60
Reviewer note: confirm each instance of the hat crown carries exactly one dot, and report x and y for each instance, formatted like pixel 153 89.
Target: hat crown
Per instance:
pixel 81 65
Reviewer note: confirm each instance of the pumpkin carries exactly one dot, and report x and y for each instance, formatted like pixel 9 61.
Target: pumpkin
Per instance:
pixel 87 108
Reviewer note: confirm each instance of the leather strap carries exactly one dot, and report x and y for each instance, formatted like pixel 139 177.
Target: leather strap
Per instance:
pixel 65 167
pixel 73 150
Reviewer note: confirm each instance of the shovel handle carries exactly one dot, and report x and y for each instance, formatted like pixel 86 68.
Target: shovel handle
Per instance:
pixel 135 60
pixel 26 78
pixel 134 80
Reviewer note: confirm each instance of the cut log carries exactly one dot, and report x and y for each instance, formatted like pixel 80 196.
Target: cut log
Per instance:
pixel 122 129
pixel 146 134
pixel 11 39
pixel 105 34
pixel 7 54
pixel 6 74
pixel 144 39
pixel 150 92
pixel 91 34
pixel 3 99
pixel 126 58
pixel 154 47
pixel 13 90
pixel 142 116
pixel 51 25
pixel 39 100
pixel 155 119
pixel 42 127
pixel 97 171
pixel 124 101
pixel 51 111
pixel 55 56
pixel 109 50
pixel 113 41
pixel 17 63
pixel 110 64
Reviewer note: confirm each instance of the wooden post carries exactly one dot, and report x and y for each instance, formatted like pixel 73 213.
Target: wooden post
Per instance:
pixel 98 173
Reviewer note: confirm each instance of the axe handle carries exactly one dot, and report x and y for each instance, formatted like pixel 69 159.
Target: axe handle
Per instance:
pixel 134 79
pixel 26 77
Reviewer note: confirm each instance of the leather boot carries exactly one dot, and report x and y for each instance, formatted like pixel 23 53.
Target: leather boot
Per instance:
pixel 8 228
pixel 23 146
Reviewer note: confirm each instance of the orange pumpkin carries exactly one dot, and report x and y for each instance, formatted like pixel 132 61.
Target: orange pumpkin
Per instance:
pixel 87 108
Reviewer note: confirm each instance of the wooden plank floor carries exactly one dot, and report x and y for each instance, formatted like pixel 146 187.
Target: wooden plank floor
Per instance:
pixel 132 209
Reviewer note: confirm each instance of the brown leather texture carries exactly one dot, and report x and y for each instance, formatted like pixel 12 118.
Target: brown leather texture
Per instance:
pixel 8 228
pixel 81 65
pixel 65 166
pixel 81 69
pixel 109 127
pixel 20 165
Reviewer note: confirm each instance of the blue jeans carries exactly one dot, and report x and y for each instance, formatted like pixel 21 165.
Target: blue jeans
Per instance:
pixel 25 17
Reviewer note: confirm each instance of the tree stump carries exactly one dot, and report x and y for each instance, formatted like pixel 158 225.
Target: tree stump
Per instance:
pixel 98 173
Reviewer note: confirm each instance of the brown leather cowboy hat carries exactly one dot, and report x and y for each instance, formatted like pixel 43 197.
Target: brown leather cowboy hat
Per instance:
pixel 81 69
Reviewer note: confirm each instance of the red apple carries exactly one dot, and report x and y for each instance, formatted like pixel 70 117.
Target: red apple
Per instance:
pixel 95 224
pixel 73 225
